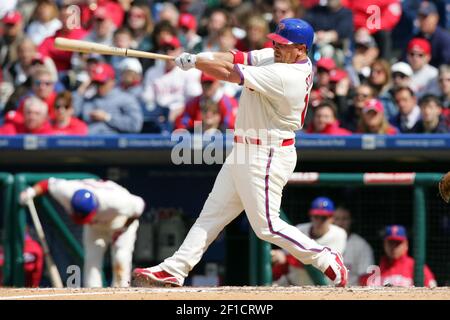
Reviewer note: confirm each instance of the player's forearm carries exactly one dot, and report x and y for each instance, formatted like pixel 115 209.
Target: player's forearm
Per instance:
pixel 41 187
pixel 218 65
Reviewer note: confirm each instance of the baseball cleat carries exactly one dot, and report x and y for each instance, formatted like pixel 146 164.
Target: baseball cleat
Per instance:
pixel 154 277
pixel 337 271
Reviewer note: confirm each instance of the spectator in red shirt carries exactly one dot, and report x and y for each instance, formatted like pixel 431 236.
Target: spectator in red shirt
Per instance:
pixel 396 266
pixel 68 30
pixel 325 120
pixel 88 9
pixel 373 120
pixel 200 110
pixel 379 17
pixel 65 122
pixel 35 119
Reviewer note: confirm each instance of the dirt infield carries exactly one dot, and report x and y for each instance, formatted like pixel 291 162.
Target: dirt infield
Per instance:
pixel 229 293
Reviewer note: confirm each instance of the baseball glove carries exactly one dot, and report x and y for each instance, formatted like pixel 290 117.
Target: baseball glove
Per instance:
pixel 444 187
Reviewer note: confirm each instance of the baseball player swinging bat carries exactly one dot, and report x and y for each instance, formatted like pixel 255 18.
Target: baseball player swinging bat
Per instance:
pixel 92 47
pixel 54 274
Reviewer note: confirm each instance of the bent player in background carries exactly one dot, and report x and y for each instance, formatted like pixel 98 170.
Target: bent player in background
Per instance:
pixel 109 214
pixel 273 105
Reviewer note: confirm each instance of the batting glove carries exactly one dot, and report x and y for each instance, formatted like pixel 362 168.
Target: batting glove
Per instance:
pixel 27 195
pixel 186 61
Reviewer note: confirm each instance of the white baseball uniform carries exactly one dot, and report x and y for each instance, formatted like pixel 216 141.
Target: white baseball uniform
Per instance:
pixel 272 106
pixel 170 89
pixel 335 238
pixel 116 205
pixel 358 256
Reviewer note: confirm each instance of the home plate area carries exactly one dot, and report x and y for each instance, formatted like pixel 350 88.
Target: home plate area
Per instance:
pixel 228 293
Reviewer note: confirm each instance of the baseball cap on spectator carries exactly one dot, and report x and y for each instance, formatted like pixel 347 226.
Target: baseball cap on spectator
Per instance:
pixel 322 206
pixel 207 78
pixel 426 8
pixel 403 68
pixel 12 17
pixel 102 72
pixel 187 21
pixel 327 64
pixel 420 45
pixel 170 41
pixel 337 75
pixel 130 64
pixel 102 13
pixel 365 39
pixel 395 232
pixel 373 105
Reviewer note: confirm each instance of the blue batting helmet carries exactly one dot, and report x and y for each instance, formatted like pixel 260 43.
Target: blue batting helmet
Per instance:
pixel 84 204
pixel 322 206
pixel 291 30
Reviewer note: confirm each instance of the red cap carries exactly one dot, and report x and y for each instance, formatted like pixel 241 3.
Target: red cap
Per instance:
pixel 326 63
pixel 170 41
pixel 337 75
pixel 102 13
pixel 207 78
pixel 419 44
pixel 12 17
pixel 102 72
pixel 373 104
pixel 188 21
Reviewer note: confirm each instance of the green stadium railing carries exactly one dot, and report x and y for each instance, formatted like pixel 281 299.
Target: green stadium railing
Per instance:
pixel 7 186
pixel 260 267
pixel 15 224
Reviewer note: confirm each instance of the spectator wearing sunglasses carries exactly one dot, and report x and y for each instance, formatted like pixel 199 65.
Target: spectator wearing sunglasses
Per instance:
pixel 42 87
pixel 286 269
pixel 418 57
pixel 64 121
pixel 352 115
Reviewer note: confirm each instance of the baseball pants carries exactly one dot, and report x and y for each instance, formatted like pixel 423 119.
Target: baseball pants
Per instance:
pixel 254 185
pixel 96 241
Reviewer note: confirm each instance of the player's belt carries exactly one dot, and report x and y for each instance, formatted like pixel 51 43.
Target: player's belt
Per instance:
pixel 257 141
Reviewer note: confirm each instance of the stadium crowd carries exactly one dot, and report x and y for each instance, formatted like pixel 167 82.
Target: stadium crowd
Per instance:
pixel 384 71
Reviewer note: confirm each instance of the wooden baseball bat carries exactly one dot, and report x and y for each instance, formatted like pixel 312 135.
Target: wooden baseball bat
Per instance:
pixel 92 47
pixel 53 271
